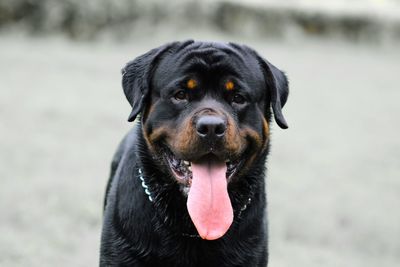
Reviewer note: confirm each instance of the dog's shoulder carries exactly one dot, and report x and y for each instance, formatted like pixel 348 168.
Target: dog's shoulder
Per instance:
pixel 124 154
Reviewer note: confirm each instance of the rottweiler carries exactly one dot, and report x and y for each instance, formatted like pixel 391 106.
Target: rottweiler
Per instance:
pixel 187 183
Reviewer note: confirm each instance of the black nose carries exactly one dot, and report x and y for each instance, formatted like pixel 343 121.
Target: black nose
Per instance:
pixel 211 126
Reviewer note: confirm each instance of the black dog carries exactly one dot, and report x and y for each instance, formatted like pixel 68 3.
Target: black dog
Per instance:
pixel 187 184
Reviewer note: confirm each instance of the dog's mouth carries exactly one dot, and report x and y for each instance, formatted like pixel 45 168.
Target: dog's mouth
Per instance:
pixel 182 169
pixel 205 181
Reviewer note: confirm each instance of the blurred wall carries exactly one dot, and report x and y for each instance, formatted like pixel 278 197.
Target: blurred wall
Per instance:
pixel 355 20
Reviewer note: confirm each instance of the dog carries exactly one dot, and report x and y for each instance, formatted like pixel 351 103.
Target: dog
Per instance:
pixel 187 183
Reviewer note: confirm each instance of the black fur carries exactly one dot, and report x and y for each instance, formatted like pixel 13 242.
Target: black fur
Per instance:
pixel 140 233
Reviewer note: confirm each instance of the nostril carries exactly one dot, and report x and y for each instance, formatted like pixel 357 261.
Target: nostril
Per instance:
pixel 202 129
pixel 220 129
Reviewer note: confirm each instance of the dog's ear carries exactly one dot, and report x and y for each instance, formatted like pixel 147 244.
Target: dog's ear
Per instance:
pixel 278 85
pixel 136 76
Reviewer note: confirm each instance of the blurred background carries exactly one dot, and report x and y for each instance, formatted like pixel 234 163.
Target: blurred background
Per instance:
pixel 333 177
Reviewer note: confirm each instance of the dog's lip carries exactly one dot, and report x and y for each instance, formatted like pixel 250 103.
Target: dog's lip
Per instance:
pixel 181 168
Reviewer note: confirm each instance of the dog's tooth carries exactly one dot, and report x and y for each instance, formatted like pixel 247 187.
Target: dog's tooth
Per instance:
pixel 186 162
pixel 190 168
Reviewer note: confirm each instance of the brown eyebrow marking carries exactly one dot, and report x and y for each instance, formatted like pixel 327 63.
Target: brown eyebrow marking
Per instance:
pixel 229 85
pixel 191 84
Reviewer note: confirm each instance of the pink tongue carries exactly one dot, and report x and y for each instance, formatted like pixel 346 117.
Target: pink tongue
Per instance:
pixel 208 202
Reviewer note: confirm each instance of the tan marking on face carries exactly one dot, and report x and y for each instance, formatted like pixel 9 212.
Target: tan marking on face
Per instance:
pixel 162 132
pixel 265 133
pixel 187 137
pixel 234 142
pixel 253 137
pixel 191 84
pixel 229 85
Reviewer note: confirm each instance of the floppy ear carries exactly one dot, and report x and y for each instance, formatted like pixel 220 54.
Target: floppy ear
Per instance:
pixel 277 84
pixel 136 76
pixel 279 90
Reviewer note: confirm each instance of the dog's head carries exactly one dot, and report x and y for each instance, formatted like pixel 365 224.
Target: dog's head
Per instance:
pixel 205 113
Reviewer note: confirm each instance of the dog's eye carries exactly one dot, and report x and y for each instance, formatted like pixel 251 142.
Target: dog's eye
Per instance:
pixel 181 95
pixel 238 99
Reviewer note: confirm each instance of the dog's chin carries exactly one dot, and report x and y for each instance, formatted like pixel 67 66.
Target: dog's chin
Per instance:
pixel 181 168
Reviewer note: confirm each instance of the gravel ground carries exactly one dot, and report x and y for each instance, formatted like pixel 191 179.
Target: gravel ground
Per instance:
pixel 333 185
